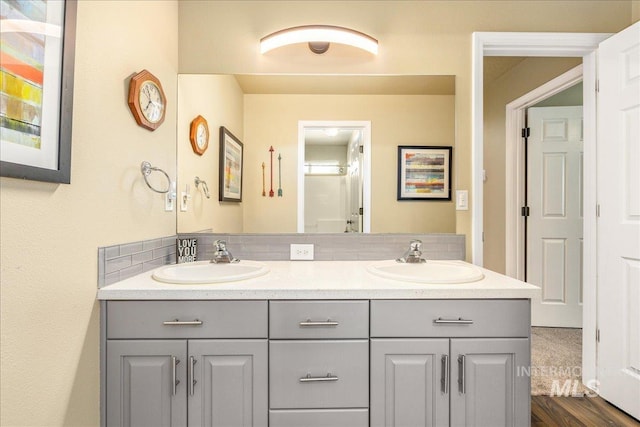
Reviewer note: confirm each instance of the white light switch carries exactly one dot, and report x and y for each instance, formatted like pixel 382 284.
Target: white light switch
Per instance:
pixel 462 200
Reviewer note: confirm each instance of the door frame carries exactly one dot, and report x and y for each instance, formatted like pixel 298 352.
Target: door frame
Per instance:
pixel 582 45
pixel 515 167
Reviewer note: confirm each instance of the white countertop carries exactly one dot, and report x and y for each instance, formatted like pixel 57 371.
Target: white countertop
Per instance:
pixel 318 280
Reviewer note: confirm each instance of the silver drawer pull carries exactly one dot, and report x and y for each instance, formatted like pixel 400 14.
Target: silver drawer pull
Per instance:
pixel 328 322
pixel 177 322
pixel 309 378
pixel 458 321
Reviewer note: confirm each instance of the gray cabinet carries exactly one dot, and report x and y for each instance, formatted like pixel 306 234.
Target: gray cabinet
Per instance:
pixel 227 383
pixel 409 382
pixel 184 381
pixel 319 363
pixel 390 363
pixel 142 383
pixel 455 381
pixel 492 388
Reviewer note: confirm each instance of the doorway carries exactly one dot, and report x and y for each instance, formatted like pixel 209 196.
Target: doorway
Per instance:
pixel 334 157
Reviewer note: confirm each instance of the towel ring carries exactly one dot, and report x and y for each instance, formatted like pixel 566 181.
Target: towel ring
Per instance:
pixel 205 188
pixel 146 170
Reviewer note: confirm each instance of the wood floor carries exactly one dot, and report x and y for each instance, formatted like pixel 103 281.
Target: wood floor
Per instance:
pixel 577 411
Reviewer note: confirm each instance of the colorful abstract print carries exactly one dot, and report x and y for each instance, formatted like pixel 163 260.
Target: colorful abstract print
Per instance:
pixel 425 173
pixel 22 74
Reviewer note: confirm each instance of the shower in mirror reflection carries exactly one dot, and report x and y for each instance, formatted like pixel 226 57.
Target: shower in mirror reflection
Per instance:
pixel 333 175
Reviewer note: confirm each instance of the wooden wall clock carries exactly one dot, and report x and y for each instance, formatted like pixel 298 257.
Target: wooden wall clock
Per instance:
pixel 199 135
pixel 147 100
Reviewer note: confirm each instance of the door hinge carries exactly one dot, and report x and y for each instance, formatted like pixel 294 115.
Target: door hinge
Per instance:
pixel 597 211
pixel 597 335
pixel 526 132
pixel 483 236
pixel 525 211
pixel 598 85
pixel 361 211
pixel 361 148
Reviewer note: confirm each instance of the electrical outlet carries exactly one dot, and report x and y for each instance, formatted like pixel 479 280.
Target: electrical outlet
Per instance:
pixel 301 252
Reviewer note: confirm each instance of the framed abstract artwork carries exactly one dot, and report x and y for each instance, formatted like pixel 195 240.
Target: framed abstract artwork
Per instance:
pixel 231 158
pixel 36 83
pixel 424 173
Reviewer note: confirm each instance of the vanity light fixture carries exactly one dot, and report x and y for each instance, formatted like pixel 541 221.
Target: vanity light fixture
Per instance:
pixel 318 38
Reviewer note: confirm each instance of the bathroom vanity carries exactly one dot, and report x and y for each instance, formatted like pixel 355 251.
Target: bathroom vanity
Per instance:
pixel 316 344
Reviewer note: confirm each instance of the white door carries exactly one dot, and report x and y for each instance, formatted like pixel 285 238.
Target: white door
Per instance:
pixel 618 236
pixel 554 225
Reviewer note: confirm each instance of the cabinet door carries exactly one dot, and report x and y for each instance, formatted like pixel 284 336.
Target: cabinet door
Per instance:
pixel 409 382
pixel 492 385
pixel 145 383
pixel 231 383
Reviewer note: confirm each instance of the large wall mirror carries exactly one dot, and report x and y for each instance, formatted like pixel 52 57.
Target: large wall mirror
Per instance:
pixel 265 111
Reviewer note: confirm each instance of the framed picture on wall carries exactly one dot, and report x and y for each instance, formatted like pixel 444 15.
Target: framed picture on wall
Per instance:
pixel 38 51
pixel 424 172
pixel 231 158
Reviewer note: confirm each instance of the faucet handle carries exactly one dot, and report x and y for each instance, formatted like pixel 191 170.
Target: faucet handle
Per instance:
pixel 220 245
pixel 415 245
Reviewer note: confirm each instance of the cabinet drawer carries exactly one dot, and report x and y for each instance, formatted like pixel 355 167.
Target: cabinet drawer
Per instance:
pixel 319 374
pixel 186 319
pixel 450 318
pixel 319 418
pixel 318 319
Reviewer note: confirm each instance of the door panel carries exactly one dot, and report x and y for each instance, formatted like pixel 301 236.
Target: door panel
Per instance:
pixel 140 383
pixel 554 227
pixel 230 386
pixel 406 382
pixel 491 382
pixel 618 235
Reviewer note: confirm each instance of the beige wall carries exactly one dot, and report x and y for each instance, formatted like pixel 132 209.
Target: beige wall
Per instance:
pixel 218 99
pixel 427 37
pixel 635 12
pixel 395 120
pixel 50 233
pixel 49 318
pixel 523 78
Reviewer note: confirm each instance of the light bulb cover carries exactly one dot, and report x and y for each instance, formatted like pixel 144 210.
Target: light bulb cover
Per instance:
pixel 319 33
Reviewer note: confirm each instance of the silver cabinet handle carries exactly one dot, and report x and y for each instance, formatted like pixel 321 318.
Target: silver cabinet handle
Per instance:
pixel 310 379
pixel 309 322
pixel 178 322
pixel 174 380
pixel 444 381
pixel 193 381
pixel 461 382
pixel 458 321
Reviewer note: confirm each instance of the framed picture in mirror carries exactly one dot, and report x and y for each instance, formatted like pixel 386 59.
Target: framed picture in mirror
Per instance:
pixel 231 159
pixel 424 172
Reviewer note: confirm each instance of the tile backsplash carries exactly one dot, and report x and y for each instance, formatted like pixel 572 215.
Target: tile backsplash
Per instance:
pixel 331 246
pixel 119 262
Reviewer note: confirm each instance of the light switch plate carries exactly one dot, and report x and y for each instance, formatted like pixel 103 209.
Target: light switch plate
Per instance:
pixel 301 252
pixel 168 202
pixel 462 200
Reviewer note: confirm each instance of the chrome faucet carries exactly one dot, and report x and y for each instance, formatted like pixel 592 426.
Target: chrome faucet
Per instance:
pixel 222 255
pixel 414 254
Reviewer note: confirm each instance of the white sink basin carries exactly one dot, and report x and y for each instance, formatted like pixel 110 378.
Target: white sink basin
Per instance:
pixel 429 272
pixel 202 272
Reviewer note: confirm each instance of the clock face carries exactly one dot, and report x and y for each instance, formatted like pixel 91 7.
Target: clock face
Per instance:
pixel 151 102
pixel 202 135
pixel 199 135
